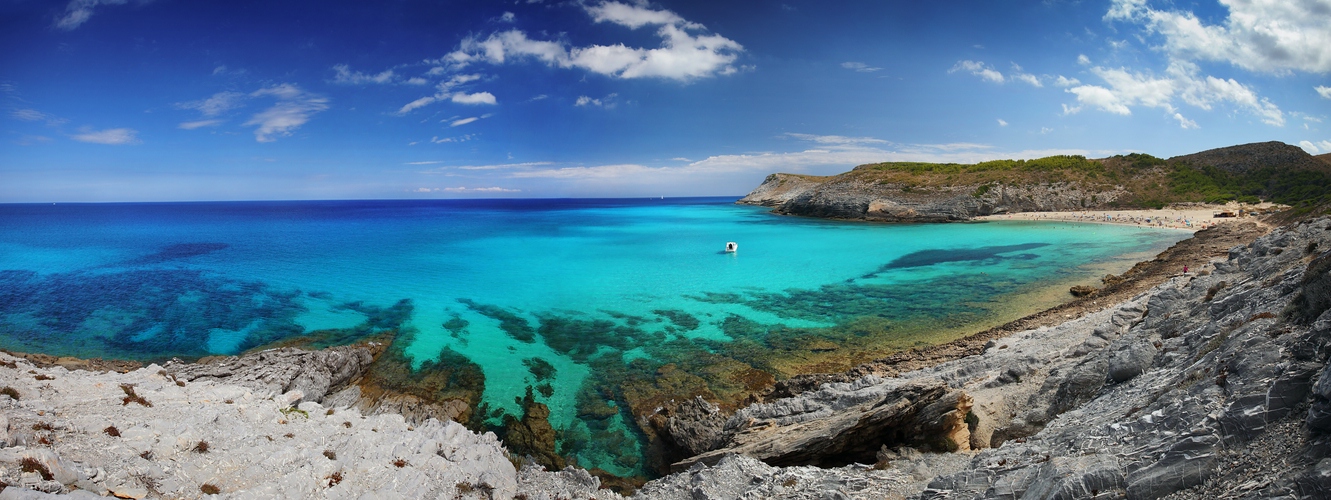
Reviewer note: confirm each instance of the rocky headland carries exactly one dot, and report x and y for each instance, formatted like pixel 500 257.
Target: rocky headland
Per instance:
pixel 925 192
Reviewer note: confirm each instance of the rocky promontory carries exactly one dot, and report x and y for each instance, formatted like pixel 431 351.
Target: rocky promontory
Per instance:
pixel 927 192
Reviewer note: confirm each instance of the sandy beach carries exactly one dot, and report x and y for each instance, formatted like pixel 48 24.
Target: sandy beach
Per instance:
pixel 1185 219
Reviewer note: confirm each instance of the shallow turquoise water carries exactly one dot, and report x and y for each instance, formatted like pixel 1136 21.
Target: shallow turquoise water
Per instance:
pixel 151 281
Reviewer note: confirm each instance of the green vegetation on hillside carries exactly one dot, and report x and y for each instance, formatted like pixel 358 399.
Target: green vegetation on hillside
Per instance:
pixel 1149 181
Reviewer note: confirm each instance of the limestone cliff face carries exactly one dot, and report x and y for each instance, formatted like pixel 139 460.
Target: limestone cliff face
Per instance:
pixel 851 198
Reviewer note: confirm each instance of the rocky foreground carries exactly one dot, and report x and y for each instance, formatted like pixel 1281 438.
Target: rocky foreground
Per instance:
pixel 1214 384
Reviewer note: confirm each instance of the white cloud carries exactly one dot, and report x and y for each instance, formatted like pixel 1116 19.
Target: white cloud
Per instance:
pixel 1323 91
pixel 79 11
pixel 446 140
pixel 685 53
pixel 32 115
pixel 607 102
pixel 418 103
pixel 461 189
pixel 347 77
pixel 216 104
pixel 477 98
pixel 416 80
pixel 1045 130
pixel 982 70
pixel 114 136
pixel 463 121
pixel 198 124
pixel 294 108
pixel 859 66
pixel 1066 82
pixel 1309 147
pixel 978 69
pixel 445 92
pixel 1028 78
pixel 1127 89
pixel 1002 122
pixel 508 17
pixel 1083 60
pixel 1274 36
pixel 635 16
pixel 836 139
pixel 1184 122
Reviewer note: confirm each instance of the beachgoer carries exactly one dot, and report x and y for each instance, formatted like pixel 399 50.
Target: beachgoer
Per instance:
pixel 1185 269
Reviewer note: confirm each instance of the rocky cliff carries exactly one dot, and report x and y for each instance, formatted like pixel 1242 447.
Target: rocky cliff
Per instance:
pixel 922 192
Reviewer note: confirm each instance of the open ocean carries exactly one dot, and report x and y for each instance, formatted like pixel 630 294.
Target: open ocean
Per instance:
pixel 581 284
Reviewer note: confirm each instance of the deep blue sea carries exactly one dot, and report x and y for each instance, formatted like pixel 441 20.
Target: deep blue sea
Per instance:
pixel 585 285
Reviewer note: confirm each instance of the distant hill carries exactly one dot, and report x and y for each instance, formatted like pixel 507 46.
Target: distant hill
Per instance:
pixel 1325 157
pixel 923 192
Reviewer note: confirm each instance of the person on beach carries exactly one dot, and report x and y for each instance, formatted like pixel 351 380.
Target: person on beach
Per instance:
pixel 1185 269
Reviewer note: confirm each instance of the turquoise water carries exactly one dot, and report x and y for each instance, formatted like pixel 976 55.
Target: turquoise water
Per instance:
pixel 588 286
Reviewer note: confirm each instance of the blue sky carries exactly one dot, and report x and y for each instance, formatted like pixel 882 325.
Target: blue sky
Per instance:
pixel 157 100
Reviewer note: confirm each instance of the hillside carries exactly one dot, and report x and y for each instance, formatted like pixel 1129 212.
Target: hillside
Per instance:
pixel 938 192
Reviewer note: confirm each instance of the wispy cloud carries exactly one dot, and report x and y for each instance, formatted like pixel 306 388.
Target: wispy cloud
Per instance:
pixel 686 53
pixel 463 121
pixel 112 136
pixel 343 75
pixel 216 104
pixel 32 115
pixel 836 139
pixel 859 66
pixel 1323 91
pixel 989 74
pixel 1002 122
pixel 293 108
pixel 199 124
pixel 461 189
pixel 79 11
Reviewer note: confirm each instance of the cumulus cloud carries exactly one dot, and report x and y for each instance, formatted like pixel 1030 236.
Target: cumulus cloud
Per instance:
pixel 1063 81
pixel 477 98
pixel 859 66
pixel 607 102
pixel 1002 122
pixel 1323 91
pixel 1308 146
pixel 343 75
pixel 1273 36
pixel 989 74
pixel 978 69
pixel 113 136
pixel 79 11
pixel 293 108
pixel 1127 89
pixel 686 52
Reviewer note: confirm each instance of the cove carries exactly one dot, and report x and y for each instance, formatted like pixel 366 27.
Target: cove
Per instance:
pixel 605 309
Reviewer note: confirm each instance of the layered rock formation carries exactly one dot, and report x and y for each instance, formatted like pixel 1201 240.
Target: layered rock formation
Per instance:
pixel 942 193
pixel 1143 399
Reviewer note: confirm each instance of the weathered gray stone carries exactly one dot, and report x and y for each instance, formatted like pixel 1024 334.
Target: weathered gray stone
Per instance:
pixel 1131 360
pixel 1188 463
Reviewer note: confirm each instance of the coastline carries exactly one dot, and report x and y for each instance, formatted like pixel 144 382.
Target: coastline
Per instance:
pixel 1177 218
pixel 1144 275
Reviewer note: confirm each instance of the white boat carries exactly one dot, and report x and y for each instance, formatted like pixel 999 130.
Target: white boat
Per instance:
pixel 731 247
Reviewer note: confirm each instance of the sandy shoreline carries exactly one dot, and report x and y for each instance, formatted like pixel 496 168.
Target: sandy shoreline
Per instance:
pixel 1185 219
